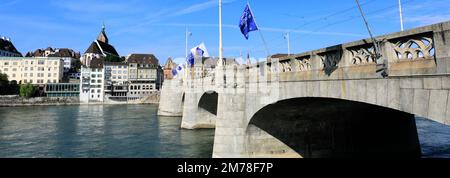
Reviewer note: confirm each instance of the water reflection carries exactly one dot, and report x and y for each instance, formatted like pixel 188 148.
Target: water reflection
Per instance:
pixel 128 131
pixel 124 131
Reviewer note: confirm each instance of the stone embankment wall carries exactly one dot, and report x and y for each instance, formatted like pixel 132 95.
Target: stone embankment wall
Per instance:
pixel 11 101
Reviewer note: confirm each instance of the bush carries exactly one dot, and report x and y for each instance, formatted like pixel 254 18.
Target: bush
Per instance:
pixel 27 90
pixel 8 87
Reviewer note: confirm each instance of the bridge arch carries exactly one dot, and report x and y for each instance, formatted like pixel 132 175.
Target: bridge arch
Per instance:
pixel 328 127
pixel 209 102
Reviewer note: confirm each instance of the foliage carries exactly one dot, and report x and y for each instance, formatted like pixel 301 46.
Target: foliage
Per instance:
pixel 27 90
pixel 112 58
pixel 8 87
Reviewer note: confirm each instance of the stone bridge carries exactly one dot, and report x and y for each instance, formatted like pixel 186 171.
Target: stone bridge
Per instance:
pixel 330 102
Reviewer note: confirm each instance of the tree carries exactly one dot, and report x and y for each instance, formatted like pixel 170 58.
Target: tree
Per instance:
pixel 113 58
pixel 77 66
pixel 4 84
pixel 27 90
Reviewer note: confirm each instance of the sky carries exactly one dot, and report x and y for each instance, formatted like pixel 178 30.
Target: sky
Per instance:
pixel 158 26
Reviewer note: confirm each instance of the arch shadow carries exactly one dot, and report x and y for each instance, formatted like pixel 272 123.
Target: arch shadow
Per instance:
pixel 209 102
pixel 325 127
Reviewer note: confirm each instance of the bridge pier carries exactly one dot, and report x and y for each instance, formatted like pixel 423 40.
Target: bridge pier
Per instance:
pixel 171 101
pixel 193 116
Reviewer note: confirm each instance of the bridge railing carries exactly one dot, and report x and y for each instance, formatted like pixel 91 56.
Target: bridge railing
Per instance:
pixel 420 51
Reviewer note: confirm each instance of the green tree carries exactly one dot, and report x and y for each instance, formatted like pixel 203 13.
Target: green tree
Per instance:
pixel 112 58
pixel 4 84
pixel 27 90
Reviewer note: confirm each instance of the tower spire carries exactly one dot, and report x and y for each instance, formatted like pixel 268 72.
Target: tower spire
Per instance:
pixel 102 36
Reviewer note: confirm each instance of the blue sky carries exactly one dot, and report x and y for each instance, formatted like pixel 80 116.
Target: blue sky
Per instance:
pixel 157 26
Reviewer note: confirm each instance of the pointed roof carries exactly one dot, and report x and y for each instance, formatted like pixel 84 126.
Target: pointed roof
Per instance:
pixel 169 64
pixel 93 48
pixel 99 47
pixel 6 45
pixel 102 36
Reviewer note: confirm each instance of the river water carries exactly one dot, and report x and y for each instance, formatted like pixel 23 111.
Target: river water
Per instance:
pixel 129 131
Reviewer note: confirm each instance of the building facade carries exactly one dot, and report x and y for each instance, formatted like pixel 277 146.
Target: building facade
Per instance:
pixel 92 82
pixel 116 81
pixel 69 56
pixel 37 71
pixel 144 75
pixel 168 74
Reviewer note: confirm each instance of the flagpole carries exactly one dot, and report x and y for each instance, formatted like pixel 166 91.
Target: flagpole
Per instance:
pixel 288 39
pixel 259 31
pixel 220 35
pixel 401 14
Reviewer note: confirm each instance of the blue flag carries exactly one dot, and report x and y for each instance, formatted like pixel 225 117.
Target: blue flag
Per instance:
pixel 247 23
pixel 191 60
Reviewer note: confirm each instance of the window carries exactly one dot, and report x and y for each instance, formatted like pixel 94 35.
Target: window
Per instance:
pixel 92 91
pixel 54 81
pixel 13 75
pixel 49 75
pixel 98 91
pixel 31 68
pixel 124 72
pixel 15 63
pixel 49 68
pixel 41 62
pixel 31 81
pixel 114 72
pixel 48 81
pixel 99 75
pixel 99 81
pixel 25 81
pixel 120 67
pixel 6 63
pixel 31 74
pixel 120 72
pixel 124 77
pixel 92 81
pixel 120 77
pixel 25 75
pixel 114 77
pixel 93 75
pixel 26 68
pixel 55 75
pixel 14 69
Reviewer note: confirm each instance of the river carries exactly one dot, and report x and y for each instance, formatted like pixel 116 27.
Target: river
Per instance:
pixel 130 131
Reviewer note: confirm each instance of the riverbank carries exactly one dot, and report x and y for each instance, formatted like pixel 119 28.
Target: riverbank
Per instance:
pixel 16 101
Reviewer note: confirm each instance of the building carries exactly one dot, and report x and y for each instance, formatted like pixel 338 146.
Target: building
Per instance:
pixel 168 75
pixel 116 81
pixel 100 48
pixel 205 66
pixel 62 90
pixel 7 49
pixel 69 56
pixel 92 82
pixel 38 71
pixel 144 75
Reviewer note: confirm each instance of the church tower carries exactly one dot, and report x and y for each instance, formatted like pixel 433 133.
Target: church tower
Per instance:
pixel 102 36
